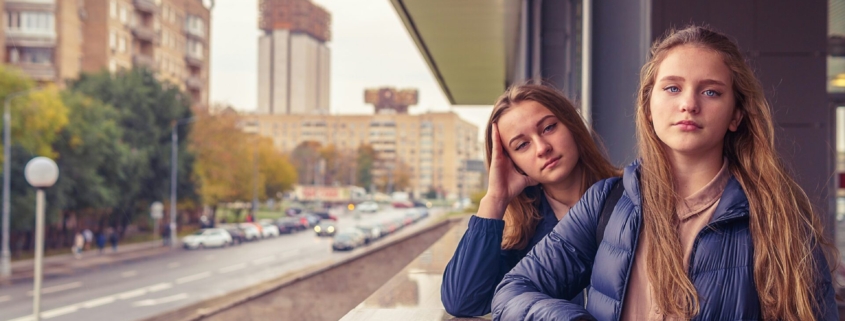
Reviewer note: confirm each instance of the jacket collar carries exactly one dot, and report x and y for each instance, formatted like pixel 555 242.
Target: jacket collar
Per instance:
pixel 733 202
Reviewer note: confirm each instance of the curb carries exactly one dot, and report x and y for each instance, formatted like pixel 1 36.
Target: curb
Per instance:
pixel 250 293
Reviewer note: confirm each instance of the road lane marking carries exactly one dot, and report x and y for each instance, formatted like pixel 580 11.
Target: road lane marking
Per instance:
pixel 25 318
pixel 287 255
pixel 98 302
pixel 151 302
pixel 229 268
pixel 54 289
pixel 132 294
pixel 159 287
pixel 194 277
pixel 263 260
pixel 129 274
pixel 60 311
pixel 173 265
pixel 5 298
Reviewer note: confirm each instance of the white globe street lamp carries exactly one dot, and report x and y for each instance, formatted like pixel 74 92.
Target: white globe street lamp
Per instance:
pixel 41 173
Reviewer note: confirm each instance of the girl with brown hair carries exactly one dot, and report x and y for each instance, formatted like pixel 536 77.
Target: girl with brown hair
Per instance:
pixel 710 225
pixel 541 158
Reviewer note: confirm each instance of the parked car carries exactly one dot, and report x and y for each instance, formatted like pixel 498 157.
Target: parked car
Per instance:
pixel 418 203
pixel 251 232
pixel 290 225
pixel 237 234
pixel 325 228
pixel 209 237
pixel 402 204
pixel 325 216
pixel 268 229
pixel 309 220
pixel 371 232
pixel 348 240
pixel 367 206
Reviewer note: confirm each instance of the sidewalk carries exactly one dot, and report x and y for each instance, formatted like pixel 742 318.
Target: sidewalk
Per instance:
pixel 67 264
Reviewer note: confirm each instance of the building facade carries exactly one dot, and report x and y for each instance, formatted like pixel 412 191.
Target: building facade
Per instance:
pixel 55 40
pixel 439 151
pixel 293 59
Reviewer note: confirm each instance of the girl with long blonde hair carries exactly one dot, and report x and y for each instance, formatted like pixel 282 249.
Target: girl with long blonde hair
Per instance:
pixel 541 158
pixel 710 225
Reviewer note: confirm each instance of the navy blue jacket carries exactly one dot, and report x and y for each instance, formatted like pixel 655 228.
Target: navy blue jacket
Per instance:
pixel 721 264
pixel 480 263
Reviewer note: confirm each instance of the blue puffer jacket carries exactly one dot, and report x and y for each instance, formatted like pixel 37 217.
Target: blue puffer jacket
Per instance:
pixel 721 263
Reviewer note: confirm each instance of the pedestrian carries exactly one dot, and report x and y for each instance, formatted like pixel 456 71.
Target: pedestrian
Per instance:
pixel 78 245
pixel 89 238
pixel 710 225
pixel 165 235
pixel 541 158
pixel 113 237
pixel 101 240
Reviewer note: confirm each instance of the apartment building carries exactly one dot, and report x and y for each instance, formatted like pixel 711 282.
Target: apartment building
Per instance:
pixel 55 40
pixel 439 150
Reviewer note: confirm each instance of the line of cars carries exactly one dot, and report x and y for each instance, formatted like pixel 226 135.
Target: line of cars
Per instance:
pixel 364 234
pixel 234 234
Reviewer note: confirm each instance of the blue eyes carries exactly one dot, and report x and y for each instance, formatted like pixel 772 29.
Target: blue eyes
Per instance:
pixel 708 93
pixel 547 129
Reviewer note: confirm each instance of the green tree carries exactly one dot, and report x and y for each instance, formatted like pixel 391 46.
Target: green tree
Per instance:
pixel 305 158
pixel 147 109
pixel 93 160
pixel 367 158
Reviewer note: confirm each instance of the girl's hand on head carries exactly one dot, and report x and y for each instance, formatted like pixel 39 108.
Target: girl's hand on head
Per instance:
pixel 505 182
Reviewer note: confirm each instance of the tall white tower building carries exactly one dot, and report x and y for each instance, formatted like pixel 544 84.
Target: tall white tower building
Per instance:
pixel 293 59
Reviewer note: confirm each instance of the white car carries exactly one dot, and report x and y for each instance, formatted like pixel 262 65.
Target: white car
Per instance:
pixel 209 237
pixel 251 232
pixel 367 206
pixel 269 229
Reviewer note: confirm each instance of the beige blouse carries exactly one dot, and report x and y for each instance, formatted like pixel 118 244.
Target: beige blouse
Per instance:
pixel 694 212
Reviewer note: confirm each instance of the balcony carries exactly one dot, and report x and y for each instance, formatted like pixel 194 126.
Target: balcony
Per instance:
pixel 40 72
pixel 30 38
pixel 194 60
pixel 141 60
pixel 146 6
pixel 194 83
pixel 145 33
pixel 30 5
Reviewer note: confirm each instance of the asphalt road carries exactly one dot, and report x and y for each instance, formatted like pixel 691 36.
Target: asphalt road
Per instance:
pixel 145 288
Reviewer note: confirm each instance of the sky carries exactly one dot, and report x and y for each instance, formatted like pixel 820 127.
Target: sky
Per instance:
pixel 370 47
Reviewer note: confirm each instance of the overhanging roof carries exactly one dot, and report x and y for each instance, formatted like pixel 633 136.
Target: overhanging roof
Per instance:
pixel 467 44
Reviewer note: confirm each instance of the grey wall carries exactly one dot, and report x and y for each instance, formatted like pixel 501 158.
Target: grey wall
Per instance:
pixel 620 44
pixel 786 42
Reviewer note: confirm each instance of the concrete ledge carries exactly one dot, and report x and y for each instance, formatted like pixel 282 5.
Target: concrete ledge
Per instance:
pixel 320 292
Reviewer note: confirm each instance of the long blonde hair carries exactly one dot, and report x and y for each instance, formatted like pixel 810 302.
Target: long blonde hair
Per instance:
pixel 521 216
pixel 784 228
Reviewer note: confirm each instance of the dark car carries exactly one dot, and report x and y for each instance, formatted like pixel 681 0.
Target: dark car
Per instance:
pixel 293 211
pixel 325 228
pixel 325 216
pixel 348 241
pixel 308 220
pixel 237 234
pixel 290 225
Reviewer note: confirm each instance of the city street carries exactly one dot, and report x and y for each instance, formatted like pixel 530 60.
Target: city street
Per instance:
pixel 137 290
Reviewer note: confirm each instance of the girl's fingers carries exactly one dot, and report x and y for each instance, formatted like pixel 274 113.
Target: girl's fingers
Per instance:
pixel 497 143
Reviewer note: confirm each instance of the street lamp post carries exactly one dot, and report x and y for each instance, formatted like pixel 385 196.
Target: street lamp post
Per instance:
pixel 174 149
pixel 5 255
pixel 41 173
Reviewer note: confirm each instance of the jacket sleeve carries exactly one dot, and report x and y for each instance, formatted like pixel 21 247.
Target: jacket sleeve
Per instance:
pixel 476 268
pixel 825 295
pixel 542 284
